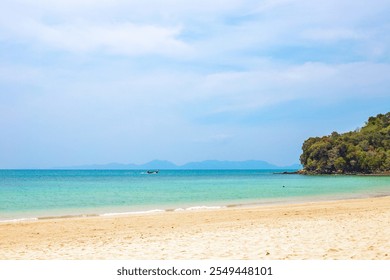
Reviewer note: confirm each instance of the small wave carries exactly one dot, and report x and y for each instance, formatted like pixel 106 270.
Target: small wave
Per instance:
pixel 132 213
pixel 67 216
pixel 153 211
pixel 18 220
pixel 194 208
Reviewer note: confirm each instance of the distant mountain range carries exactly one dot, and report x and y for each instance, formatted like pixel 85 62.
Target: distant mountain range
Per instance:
pixel 207 164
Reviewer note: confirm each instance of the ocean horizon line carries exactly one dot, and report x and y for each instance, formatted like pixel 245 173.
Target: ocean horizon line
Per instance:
pixel 196 165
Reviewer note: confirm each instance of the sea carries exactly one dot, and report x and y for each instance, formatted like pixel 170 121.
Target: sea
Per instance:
pixel 44 194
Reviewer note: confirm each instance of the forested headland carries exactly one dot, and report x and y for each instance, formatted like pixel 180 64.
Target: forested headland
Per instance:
pixel 363 151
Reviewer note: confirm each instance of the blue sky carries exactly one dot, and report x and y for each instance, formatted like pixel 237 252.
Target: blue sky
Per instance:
pixel 99 81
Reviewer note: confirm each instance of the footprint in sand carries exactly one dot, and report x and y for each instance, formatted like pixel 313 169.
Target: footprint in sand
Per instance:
pixel 333 250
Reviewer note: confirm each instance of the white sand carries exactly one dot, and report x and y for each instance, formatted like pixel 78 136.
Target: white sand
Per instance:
pixel 348 229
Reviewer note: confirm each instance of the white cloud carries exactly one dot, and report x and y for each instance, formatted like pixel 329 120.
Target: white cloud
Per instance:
pixel 243 92
pixel 53 28
pixel 176 95
pixel 332 34
pixel 211 28
pixel 82 36
pixel 128 39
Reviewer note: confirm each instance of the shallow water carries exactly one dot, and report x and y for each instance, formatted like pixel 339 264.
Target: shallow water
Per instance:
pixel 47 193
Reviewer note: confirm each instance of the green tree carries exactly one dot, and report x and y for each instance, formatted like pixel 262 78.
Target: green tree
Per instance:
pixel 365 150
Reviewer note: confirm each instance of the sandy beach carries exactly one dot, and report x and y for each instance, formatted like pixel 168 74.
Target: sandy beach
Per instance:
pixel 348 229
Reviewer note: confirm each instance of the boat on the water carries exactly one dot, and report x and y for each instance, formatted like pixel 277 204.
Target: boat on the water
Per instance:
pixel 152 171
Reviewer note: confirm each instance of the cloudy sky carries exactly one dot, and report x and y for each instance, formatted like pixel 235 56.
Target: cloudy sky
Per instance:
pixel 99 81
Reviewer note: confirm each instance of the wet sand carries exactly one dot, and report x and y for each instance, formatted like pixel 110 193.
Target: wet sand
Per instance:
pixel 345 229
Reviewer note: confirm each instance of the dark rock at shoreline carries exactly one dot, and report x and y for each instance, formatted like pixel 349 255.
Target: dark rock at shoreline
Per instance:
pixel 305 172
pixel 288 172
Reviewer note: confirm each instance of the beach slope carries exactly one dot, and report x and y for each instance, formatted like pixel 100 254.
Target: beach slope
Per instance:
pixel 347 229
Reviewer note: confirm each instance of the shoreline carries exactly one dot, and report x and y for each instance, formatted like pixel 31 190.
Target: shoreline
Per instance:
pixel 342 229
pixel 311 173
pixel 232 204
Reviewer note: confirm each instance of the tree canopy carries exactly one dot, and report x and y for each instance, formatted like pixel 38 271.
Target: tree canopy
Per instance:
pixel 365 150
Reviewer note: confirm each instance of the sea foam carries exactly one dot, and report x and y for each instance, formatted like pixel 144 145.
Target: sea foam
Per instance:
pixel 18 220
pixel 132 213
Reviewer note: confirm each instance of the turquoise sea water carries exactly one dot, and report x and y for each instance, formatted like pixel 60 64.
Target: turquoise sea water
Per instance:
pixel 26 194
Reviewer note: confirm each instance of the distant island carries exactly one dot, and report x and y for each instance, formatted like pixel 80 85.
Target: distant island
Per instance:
pixel 363 151
pixel 207 164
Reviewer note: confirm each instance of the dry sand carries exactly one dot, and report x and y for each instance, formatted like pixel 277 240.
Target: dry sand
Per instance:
pixel 348 229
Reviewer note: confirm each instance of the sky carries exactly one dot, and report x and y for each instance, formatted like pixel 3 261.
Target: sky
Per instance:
pixel 101 81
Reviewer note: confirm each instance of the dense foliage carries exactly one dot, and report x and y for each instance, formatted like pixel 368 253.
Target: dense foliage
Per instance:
pixel 365 150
